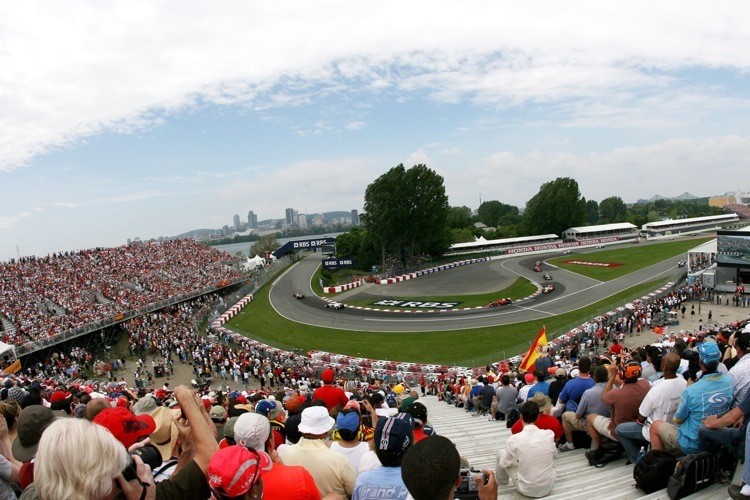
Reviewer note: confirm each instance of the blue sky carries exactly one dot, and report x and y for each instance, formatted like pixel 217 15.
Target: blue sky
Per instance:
pixel 147 119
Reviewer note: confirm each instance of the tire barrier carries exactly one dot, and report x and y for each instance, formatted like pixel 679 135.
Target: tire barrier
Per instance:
pixel 436 269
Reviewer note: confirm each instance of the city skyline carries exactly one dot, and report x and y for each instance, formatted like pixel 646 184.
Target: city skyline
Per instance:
pixel 149 120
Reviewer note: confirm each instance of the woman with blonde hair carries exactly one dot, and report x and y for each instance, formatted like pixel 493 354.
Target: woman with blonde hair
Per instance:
pixel 77 460
pixel 10 410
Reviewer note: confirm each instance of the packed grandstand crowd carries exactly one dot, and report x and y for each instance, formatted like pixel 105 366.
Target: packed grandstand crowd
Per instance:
pixel 262 422
pixel 336 434
pixel 41 297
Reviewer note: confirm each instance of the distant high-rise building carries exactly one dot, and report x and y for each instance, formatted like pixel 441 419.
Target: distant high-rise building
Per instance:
pixel 317 220
pixel 252 220
pixel 302 221
pixel 291 217
pixel 355 218
pixel 236 222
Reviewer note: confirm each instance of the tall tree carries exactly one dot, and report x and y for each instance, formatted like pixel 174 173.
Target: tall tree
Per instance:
pixel 265 243
pixel 406 212
pixel 612 209
pixel 592 212
pixel 459 217
pixel 556 207
pixel 492 212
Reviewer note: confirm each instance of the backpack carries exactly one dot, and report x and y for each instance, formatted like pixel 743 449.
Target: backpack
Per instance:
pixel 608 451
pixel 652 472
pixel 693 473
pixel 512 417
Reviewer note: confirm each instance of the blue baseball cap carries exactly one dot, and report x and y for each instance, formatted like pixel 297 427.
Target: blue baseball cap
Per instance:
pixel 348 421
pixel 394 434
pixel 708 351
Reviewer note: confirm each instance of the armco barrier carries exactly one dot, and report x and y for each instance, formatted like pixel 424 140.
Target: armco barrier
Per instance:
pixel 342 288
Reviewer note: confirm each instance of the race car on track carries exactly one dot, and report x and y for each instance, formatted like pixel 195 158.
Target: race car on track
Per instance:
pixel 548 289
pixel 547 277
pixel 501 302
pixel 334 305
pixel 537 269
pixel 298 295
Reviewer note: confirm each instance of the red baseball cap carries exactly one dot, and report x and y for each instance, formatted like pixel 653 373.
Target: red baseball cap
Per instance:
pixel 58 396
pixel 234 470
pixel 124 425
pixel 327 375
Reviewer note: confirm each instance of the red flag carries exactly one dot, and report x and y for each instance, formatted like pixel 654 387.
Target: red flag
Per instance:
pixel 658 330
pixel 530 358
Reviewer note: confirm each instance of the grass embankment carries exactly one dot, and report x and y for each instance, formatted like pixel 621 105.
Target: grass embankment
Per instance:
pixel 472 347
pixel 519 289
pixel 632 258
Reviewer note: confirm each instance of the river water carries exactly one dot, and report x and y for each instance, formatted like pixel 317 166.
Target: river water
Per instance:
pixel 233 248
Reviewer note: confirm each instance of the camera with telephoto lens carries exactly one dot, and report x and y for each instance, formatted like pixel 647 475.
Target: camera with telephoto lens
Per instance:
pixel 469 489
pixel 149 454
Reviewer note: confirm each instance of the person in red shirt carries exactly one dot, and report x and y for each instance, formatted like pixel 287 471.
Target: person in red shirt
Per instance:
pixel 332 395
pixel 545 420
pixel 616 348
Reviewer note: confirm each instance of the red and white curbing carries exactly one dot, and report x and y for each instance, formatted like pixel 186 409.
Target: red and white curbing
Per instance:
pixel 232 311
pixel 417 274
pixel 343 288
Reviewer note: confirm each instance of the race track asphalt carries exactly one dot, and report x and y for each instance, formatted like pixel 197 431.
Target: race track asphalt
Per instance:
pixel 572 291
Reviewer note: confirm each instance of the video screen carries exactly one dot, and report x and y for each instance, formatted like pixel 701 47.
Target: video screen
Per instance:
pixel 733 248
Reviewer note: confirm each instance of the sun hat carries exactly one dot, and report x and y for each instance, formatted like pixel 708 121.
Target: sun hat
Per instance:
pixel 145 406
pixel 234 470
pixel 32 421
pixel 543 401
pixel 252 430
pixel 166 433
pixel 316 420
pixel 560 372
pixel 124 425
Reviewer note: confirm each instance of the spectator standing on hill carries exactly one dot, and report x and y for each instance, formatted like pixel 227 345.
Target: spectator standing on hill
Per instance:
pixel 332 395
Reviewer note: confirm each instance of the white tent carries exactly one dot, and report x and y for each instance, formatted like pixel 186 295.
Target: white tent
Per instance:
pixel 251 264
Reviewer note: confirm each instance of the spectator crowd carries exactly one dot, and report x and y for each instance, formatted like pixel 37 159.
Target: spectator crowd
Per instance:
pixel 41 297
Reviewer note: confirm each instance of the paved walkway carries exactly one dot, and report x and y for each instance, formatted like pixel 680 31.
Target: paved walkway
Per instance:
pixel 721 314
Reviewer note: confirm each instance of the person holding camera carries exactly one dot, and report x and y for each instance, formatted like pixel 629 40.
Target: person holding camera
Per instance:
pixel 78 460
pixel 429 472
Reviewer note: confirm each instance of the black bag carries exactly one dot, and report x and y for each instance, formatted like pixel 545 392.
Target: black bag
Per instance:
pixel 653 471
pixel 581 440
pixel 512 417
pixel 608 451
pixel 693 473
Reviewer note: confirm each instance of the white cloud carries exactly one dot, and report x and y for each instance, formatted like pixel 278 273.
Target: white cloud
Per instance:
pixel 127 67
pixel 8 221
pixel 712 167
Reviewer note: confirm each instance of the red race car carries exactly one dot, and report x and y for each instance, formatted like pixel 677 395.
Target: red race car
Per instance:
pixel 501 302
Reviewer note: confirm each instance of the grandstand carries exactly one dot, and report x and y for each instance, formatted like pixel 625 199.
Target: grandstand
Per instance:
pixel 48 300
pixel 482 245
pixel 661 228
pixel 621 230
pixel 741 210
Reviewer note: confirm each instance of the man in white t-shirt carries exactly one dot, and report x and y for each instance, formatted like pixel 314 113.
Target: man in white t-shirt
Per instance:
pixel 661 403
